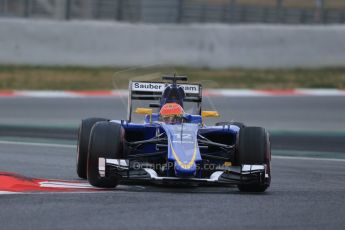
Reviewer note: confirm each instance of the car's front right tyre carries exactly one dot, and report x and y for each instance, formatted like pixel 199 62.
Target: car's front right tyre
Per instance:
pixel 83 144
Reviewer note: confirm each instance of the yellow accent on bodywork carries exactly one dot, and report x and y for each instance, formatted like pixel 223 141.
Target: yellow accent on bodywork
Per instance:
pixel 210 114
pixel 145 111
pixel 180 163
pixel 227 163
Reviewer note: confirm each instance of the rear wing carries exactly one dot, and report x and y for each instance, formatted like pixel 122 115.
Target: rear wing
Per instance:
pixel 142 90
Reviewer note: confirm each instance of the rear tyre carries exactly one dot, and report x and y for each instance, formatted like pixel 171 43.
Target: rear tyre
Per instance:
pixel 106 141
pixel 83 144
pixel 254 149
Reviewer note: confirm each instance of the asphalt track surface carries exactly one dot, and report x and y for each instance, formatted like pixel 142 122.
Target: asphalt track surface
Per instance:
pixel 306 193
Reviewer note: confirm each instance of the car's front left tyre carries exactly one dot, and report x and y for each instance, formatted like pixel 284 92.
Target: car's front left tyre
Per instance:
pixel 254 149
pixel 106 141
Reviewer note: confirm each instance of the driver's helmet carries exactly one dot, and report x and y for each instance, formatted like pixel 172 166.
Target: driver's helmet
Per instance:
pixel 171 113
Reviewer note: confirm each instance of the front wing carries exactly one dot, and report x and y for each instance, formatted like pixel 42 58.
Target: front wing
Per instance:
pixel 230 175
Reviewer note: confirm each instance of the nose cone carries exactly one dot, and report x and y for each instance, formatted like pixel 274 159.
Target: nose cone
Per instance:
pixel 183 148
pixel 185 157
pixel 184 170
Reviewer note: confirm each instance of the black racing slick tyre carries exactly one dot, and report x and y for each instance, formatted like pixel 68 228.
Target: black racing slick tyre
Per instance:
pixel 83 144
pixel 254 149
pixel 106 141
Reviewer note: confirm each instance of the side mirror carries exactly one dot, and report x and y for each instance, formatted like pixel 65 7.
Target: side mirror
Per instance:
pixel 144 111
pixel 209 114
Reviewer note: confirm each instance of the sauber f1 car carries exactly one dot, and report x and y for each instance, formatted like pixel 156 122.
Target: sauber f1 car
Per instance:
pixel 171 146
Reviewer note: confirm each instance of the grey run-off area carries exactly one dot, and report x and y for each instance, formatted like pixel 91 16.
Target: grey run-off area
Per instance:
pixel 292 113
pixel 99 43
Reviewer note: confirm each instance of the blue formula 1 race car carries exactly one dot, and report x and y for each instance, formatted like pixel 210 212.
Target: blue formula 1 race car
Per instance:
pixel 171 146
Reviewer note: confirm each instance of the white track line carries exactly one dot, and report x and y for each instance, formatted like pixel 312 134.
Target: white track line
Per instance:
pixel 307 158
pixel 38 144
pixel 8 193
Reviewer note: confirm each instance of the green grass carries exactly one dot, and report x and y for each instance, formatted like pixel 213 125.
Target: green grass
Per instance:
pixel 80 78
